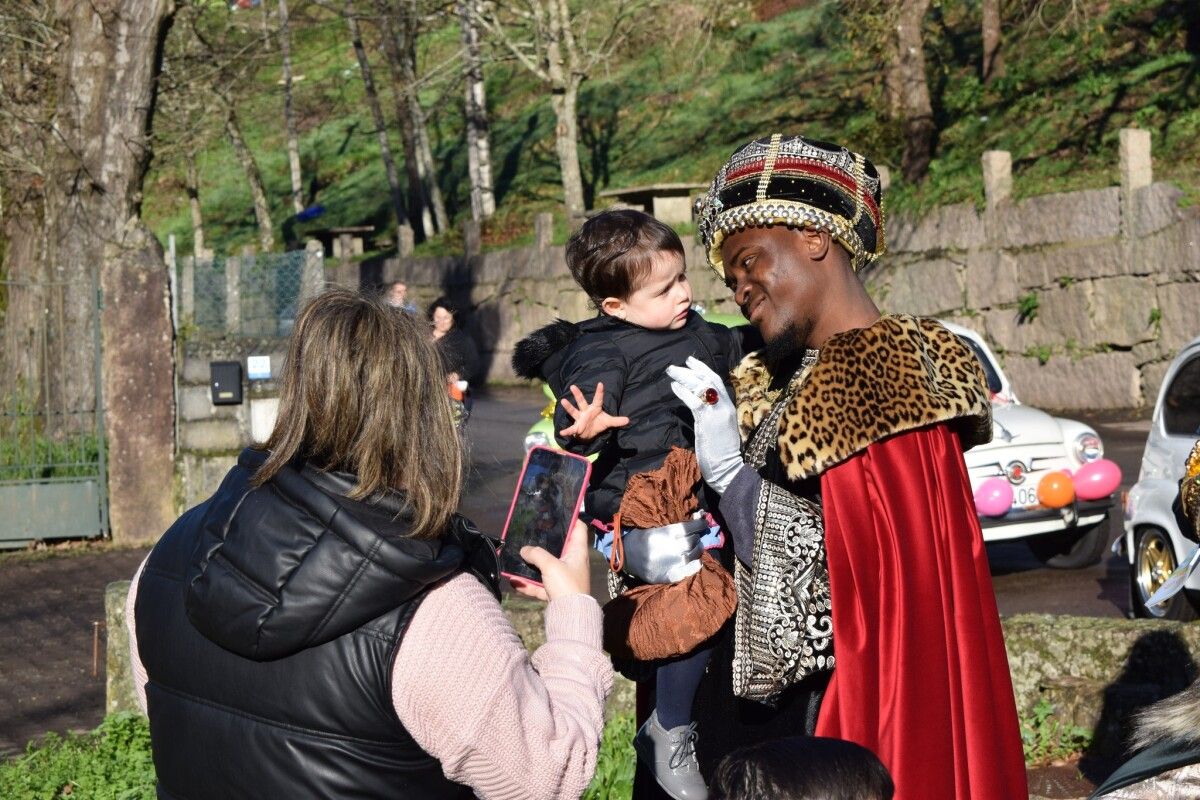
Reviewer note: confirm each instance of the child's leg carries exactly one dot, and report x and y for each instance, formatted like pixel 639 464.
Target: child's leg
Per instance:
pixel 675 687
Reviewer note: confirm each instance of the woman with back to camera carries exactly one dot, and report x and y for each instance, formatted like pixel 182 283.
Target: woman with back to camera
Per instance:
pixel 326 626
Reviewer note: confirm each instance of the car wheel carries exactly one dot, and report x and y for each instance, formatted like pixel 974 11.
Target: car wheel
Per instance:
pixel 1073 549
pixel 1154 559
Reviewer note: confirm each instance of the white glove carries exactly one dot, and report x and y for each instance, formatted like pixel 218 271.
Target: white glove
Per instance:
pixel 718 444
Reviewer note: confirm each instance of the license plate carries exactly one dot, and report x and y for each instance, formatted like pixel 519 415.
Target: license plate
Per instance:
pixel 1025 497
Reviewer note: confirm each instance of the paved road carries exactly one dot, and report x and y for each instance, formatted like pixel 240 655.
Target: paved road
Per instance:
pixel 499 422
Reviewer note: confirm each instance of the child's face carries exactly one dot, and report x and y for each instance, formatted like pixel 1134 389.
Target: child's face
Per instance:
pixel 662 300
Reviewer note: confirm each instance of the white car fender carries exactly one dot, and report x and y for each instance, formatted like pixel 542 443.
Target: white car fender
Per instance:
pixel 1149 504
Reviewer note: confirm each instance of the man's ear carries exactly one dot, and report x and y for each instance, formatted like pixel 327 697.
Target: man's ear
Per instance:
pixel 816 243
pixel 613 306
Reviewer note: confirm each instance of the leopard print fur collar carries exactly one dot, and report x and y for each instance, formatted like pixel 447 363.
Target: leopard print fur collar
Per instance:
pixel 898 374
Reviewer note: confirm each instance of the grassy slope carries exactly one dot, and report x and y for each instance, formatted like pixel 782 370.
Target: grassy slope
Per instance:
pixel 676 104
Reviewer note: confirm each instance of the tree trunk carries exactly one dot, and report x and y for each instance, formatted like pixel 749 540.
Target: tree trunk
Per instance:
pixel 385 147
pixel 479 151
pixel 418 199
pixel 919 127
pixel 262 209
pixel 193 193
pixel 96 169
pixel 566 143
pixel 289 113
pixel 993 55
pixel 408 67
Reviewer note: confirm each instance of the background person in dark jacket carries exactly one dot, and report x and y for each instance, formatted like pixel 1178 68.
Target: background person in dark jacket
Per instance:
pixel 326 626
pixel 458 350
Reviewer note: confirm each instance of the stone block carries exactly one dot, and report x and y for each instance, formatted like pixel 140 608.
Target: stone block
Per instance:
pixel 1179 309
pixel 926 287
pixel 195 403
pixel 954 227
pixel 120 695
pixel 1052 265
pixel 1147 352
pixel 543 230
pixel 1063 315
pixel 1005 330
pixel 212 435
pixel 1156 207
pixel 672 210
pixel 195 371
pixel 200 475
pixel 991 279
pixel 1173 252
pixel 1104 380
pixel 1053 218
pixel 1121 311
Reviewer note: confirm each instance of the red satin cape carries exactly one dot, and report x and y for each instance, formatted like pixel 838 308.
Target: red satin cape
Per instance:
pixel 922 677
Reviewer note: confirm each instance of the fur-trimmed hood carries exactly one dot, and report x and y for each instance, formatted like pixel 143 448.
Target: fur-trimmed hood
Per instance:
pixel 537 354
pixel 898 374
pixel 1175 719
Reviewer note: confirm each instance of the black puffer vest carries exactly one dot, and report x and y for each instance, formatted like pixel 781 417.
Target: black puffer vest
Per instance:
pixel 268 620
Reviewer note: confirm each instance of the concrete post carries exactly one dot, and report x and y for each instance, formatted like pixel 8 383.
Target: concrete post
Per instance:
pixel 119 691
pixel 543 230
pixel 187 289
pixel 233 295
pixel 1136 173
pixel 997 177
pixel 312 278
pixel 472 238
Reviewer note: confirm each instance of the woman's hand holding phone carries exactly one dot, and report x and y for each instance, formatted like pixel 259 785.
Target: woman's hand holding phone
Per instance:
pixel 560 576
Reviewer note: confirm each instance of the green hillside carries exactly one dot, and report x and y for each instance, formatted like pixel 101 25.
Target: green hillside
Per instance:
pixel 679 98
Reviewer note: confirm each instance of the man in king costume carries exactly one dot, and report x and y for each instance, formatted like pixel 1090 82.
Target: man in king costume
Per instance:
pixel 865 604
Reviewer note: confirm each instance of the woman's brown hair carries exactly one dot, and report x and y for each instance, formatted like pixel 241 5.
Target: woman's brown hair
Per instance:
pixel 364 391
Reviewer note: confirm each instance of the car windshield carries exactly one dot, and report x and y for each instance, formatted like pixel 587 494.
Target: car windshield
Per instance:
pixel 989 369
pixel 1181 403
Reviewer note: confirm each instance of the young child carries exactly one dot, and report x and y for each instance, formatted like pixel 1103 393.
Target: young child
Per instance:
pixel 610 372
pixel 802 768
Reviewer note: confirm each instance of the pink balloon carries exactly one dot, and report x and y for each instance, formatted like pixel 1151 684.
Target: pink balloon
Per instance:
pixel 1097 479
pixel 994 497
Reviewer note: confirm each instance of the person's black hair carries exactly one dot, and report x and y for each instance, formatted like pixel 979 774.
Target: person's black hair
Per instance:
pixel 443 302
pixel 802 768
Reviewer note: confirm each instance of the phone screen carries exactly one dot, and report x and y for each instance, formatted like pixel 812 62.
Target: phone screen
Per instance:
pixel 544 508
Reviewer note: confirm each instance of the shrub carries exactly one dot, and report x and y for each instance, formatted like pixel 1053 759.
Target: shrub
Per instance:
pixel 111 763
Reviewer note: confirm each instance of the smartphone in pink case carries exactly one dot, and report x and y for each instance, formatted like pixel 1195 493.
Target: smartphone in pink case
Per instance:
pixel 545 506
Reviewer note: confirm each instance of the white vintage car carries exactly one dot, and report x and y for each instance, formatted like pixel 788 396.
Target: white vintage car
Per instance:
pixel 1154 543
pixel 1028 444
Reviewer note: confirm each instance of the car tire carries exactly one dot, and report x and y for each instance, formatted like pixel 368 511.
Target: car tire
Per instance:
pixel 1072 549
pixel 1154 558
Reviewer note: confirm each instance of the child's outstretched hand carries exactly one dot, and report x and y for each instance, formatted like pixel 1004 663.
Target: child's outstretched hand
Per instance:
pixel 591 419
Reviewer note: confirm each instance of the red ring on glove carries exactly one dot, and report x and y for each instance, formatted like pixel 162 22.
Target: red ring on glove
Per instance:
pixel 710 396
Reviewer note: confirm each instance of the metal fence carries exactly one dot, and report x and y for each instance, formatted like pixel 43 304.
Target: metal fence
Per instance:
pixel 250 295
pixel 52 449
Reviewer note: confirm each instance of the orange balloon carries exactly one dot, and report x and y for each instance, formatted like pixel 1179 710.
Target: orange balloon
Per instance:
pixel 1056 489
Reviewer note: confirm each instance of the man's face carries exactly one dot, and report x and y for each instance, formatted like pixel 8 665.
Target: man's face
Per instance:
pixel 773 281
pixel 398 294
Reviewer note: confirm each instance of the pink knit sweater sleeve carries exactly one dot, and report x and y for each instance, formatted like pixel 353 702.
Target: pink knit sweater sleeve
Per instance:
pixel 499 721
pixel 135 660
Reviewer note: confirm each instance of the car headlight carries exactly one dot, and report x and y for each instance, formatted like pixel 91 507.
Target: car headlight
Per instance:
pixel 1088 448
pixel 536 439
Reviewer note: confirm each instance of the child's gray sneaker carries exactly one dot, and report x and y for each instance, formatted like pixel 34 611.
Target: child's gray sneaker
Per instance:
pixel 671 756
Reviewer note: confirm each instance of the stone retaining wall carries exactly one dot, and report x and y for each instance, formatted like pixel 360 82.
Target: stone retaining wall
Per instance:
pixel 1095 672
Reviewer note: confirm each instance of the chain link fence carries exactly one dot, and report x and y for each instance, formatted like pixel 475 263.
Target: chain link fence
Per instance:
pixel 247 296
